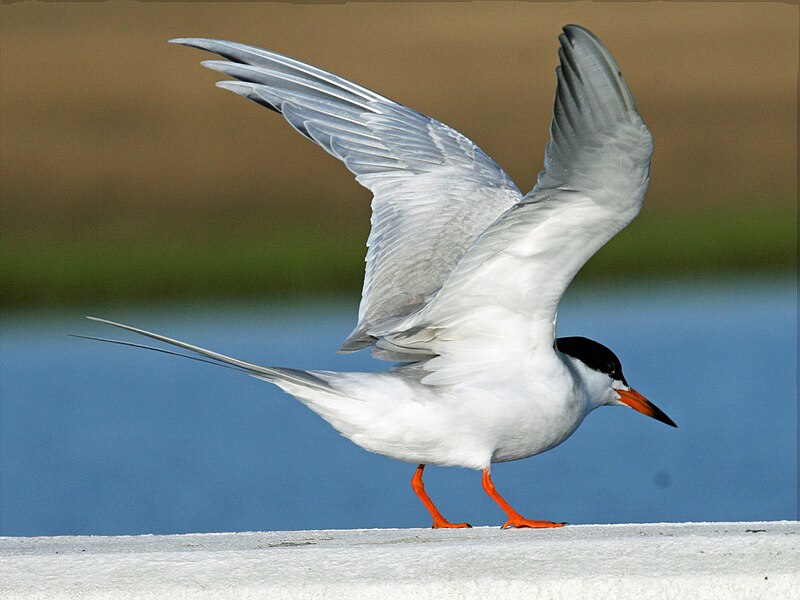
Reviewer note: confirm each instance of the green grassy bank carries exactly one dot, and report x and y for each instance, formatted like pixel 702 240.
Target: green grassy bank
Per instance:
pixel 248 263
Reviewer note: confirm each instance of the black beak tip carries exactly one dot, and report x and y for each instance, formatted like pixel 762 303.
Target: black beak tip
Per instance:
pixel 662 416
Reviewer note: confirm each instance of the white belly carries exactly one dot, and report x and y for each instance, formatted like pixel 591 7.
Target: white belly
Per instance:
pixel 448 425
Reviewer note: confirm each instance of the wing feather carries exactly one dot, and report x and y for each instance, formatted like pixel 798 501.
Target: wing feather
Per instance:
pixel 502 297
pixel 434 191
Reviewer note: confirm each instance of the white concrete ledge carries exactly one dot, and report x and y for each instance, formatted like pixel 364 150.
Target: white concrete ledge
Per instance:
pixel 692 560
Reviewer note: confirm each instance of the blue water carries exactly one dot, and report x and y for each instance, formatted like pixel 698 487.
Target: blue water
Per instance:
pixel 98 439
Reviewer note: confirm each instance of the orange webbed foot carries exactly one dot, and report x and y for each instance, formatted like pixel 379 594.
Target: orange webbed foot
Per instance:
pixel 530 523
pixel 445 524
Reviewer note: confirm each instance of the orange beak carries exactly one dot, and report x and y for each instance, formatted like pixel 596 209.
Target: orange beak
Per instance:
pixel 639 403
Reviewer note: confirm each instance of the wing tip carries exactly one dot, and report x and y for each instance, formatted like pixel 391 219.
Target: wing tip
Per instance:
pixel 578 39
pixel 572 30
pixel 192 42
pixel 237 87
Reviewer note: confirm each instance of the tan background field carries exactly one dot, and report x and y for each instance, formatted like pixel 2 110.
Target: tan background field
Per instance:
pixel 109 131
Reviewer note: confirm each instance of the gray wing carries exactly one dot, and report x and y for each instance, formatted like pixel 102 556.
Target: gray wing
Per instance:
pixel 500 302
pixel 434 190
pixel 598 143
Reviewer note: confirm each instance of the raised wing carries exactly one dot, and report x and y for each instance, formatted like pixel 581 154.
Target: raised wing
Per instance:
pixel 502 297
pixel 434 190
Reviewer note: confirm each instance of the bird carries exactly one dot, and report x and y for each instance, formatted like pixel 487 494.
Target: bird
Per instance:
pixel 464 273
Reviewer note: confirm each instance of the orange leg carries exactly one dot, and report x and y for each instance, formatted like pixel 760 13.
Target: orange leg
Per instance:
pixel 419 489
pixel 514 518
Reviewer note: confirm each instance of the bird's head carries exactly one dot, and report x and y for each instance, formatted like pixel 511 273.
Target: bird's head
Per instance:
pixel 603 373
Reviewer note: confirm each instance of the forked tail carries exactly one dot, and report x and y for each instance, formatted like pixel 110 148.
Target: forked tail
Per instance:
pixel 289 380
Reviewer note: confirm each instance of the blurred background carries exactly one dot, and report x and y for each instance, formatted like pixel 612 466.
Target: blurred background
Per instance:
pixel 132 188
